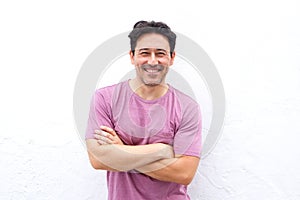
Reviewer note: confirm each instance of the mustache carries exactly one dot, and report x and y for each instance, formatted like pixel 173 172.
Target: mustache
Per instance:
pixel 153 67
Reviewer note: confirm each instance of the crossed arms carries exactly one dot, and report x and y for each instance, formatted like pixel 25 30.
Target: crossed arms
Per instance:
pixel 107 152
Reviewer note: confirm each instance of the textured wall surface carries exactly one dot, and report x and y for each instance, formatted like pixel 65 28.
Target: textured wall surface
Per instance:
pixel 255 46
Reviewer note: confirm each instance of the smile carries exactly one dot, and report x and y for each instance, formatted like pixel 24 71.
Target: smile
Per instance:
pixel 152 70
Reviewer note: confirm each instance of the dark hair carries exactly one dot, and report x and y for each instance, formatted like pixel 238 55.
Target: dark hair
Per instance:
pixel 143 27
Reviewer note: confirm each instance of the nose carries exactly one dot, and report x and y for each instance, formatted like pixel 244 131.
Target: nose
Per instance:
pixel 152 59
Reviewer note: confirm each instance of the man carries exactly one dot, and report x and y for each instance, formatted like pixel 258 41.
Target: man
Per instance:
pixel 144 132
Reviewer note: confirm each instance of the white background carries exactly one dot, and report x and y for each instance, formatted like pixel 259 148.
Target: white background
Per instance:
pixel 255 46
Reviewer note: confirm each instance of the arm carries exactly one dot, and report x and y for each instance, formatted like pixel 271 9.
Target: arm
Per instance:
pixel 187 148
pixel 117 157
pixel 179 170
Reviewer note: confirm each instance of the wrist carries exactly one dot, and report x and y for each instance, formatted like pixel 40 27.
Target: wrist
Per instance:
pixel 165 151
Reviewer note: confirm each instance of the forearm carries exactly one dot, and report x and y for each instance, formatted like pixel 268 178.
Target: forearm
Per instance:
pixel 125 157
pixel 179 170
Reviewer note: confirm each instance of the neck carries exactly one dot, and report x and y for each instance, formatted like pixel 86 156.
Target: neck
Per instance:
pixel 148 92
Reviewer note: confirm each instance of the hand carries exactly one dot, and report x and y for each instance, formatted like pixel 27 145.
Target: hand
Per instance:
pixel 107 136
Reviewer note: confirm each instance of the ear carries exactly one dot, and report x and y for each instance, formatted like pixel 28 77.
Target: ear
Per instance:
pixel 172 58
pixel 131 57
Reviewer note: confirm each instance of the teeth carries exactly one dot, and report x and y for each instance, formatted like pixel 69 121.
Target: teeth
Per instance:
pixel 152 70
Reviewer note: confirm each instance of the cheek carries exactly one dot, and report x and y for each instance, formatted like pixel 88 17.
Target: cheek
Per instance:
pixel 140 61
pixel 166 61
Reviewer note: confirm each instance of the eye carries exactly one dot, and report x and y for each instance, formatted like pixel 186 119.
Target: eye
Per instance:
pixel 161 53
pixel 144 53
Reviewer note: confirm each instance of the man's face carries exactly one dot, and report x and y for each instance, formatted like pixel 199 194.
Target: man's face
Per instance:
pixel 152 59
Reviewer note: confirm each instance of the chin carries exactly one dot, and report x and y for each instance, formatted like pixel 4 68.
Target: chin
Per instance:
pixel 152 83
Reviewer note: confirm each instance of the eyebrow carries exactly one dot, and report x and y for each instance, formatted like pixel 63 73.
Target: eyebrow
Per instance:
pixel 143 49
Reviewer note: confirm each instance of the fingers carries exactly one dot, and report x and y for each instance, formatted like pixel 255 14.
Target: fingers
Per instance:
pixel 103 137
pixel 107 136
pixel 108 130
pixel 104 134
pixel 101 142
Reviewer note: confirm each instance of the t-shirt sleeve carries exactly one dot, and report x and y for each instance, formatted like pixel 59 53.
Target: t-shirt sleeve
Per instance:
pixel 187 140
pixel 99 114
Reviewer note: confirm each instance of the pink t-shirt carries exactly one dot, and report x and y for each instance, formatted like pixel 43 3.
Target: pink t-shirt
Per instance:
pixel 173 119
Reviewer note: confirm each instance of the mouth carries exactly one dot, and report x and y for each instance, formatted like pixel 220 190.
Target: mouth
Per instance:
pixel 152 69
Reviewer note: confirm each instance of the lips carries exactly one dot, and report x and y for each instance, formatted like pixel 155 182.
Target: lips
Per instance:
pixel 152 68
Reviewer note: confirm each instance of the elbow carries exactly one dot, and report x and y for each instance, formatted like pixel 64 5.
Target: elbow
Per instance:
pixel 98 165
pixel 186 179
pixel 95 163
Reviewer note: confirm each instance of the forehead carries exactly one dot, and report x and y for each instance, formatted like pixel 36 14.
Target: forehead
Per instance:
pixel 153 41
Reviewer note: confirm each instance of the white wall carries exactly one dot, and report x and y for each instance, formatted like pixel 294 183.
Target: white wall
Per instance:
pixel 255 45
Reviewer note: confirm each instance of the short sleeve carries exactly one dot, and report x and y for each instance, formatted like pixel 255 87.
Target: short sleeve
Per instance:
pixel 99 114
pixel 187 140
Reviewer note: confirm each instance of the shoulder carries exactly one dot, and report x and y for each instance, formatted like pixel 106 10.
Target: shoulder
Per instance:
pixel 108 91
pixel 183 99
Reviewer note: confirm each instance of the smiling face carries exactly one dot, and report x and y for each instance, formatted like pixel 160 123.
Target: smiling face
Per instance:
pixel 152 59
